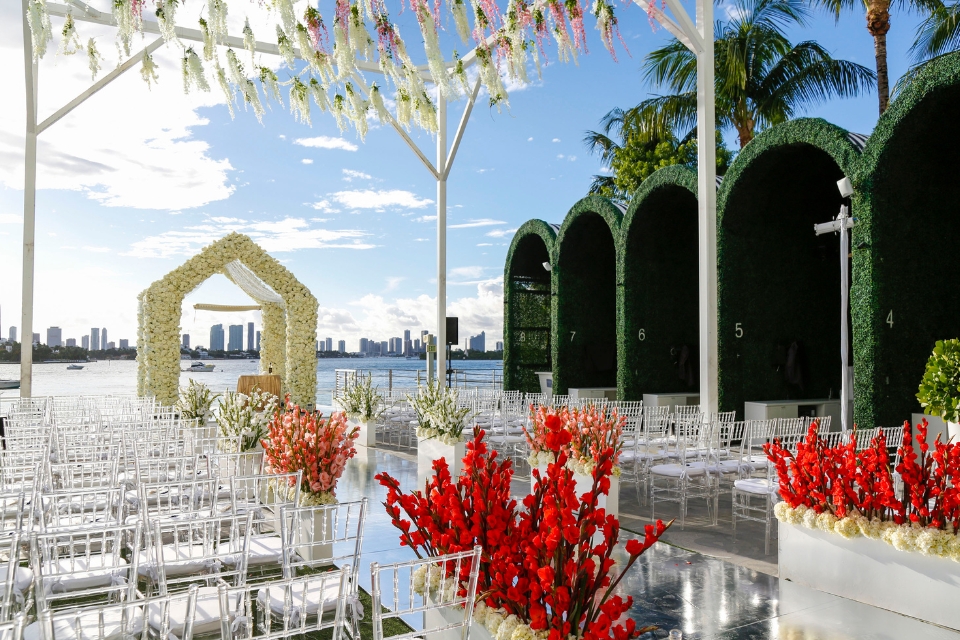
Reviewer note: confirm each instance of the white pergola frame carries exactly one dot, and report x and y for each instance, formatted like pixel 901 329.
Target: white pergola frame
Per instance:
pixel 698 38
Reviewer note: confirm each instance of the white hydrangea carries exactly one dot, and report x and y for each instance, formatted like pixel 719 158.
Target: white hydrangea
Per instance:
pixel 810 519
pixel 782 511
pixel 493 621
pixel 507 627
pixel 522 632
pixel 826 521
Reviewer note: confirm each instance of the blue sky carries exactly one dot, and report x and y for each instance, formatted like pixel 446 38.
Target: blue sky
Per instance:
pixel 137 179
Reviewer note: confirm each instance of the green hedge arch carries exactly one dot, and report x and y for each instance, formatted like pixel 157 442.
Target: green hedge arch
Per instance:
pixel 907 202
pixel 586 288
pixel 658 271
pixel 777 281
pixel 527 311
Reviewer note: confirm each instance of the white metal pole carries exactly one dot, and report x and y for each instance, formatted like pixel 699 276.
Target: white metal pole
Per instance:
pixel 29 210
pixel 441 238
pixel 844 305
pixel 707 203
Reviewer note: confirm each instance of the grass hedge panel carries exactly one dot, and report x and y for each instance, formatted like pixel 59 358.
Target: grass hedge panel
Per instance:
pixel 585 290
pixel 775 277
pixel 658 270
pixel 527 312
pixel 907 203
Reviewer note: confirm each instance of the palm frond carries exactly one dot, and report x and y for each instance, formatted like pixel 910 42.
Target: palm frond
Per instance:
pixel 600 145
pixel 939 33
pixel 673 66
pixel 659 117
pixel 602 185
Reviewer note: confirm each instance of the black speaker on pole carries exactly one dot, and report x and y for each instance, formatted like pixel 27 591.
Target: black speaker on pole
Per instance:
pixel 453 333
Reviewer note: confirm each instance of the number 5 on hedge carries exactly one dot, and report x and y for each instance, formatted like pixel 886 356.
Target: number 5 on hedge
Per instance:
pixel 738 330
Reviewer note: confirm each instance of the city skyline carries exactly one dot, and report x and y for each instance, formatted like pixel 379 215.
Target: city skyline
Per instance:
pixel 95 340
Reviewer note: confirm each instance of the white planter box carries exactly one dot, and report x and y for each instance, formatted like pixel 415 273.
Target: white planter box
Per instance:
pixel 609 502
pixel 368 432
pixel 319 529
pixel 434 618
pixel 872 572
pixel 433 449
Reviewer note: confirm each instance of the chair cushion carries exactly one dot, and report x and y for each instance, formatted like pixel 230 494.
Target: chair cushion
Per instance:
pixel 303 600
pixel 64 629
pixel 263 550
pixel 22 577
pixel 206 619
pixel 182 560
pixel 759 486
pixel 676 470
pixel 98 571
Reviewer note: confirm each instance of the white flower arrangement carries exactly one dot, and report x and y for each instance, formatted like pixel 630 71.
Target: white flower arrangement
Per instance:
pixel 318 499
pixel 288 335
pixel 362 402
pixel 196 402
pixel 246 416
pixel 438 415
pixel 903 537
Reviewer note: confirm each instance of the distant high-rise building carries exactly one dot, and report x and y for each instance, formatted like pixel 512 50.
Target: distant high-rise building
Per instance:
pixel 94 339
pixel 110 345
pixel 13 334
pixel 184 341
pixel 342 346
pixel 71 342
pixel 103 339
pixel 258 341
pixel 407 347
pixel 216 337
pixel 478 343
pixel 236 338
pixel 363 345
pixel 329 343
pixel 416 346
pixel 36 338
pixel 85 342
pixel 54 337
pixel 384 348
pixel 249 336
pixel 125 344
pixel 499 346
pixel 406 334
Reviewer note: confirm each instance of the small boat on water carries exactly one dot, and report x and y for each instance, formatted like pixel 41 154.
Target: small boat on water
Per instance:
pixel 9 384
pixel 74 367
pixel 199 367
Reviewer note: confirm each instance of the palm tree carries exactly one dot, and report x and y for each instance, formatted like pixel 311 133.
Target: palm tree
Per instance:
pixel 761 78
pixel 878 24
pixel 939 33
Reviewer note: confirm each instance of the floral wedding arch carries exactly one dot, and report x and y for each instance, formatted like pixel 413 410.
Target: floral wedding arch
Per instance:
pixel 288 341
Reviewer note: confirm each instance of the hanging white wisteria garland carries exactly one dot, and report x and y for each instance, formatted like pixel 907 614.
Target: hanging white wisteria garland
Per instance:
pixel 506 41
pixel 289 332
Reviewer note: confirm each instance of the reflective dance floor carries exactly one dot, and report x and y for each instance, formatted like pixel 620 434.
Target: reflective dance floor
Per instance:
pixel 673 588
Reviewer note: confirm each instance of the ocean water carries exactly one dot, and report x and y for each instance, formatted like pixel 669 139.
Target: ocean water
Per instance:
pixel 120 376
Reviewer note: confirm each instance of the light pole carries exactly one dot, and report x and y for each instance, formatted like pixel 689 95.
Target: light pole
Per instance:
pixel 842 224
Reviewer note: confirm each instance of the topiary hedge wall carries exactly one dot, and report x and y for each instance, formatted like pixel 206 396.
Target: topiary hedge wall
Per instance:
pixel 904 294
pixel 585 296
pixel 777 281
pixel 527 306
pixel 658 271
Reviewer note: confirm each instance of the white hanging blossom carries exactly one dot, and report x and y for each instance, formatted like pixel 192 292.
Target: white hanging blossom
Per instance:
pixel 319 93
pixel 287 14
pixel 271 84
pixel 426 113
pixel 490 78
pixel 40 28
pixel 404 107
pixel 338 109
pixel 252 97
pixel 235 68
pixel 342 54
pixel 318 61
pixel 69 39
pixel 299 101
pixel 93 59
pixel 148 70
pixel 127 23
pixel 166 19
pixel 357 110
pixel 360 41
pixel 249 42
pixel 193 74
pixel 285 47
pixel 225 87
pixel 209 46
pixel 376 100
pixel 460 73
pixel 217 20
pixel 459 11
pixel 431 46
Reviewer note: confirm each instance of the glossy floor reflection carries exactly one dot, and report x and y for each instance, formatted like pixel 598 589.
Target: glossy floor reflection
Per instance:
pixel 702 596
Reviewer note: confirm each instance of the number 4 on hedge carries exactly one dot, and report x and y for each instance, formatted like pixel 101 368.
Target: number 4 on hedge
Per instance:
pixel 890 318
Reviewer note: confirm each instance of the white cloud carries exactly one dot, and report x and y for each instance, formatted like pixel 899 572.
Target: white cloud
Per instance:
pixel 307 161
pixel 530 139
pixel 482 222
pixel 349 175
pixel 394 281
pixel 556 139
pixel 606 170
pixel 326 142
pixel 485 244
pixel 380 199
pixel 560 156
pixel 289 234
pixel 324 206
pixel 501 233
pixel 466 272
pixel 98 249
pixel 11 218
pixel 572 158
pixel 424 218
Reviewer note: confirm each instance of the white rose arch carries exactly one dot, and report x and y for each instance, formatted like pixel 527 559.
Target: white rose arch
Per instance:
pixel 288 339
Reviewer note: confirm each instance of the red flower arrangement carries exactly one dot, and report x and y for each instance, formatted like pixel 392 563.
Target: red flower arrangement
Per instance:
pixel 585 433
pixel 542 564
pixel 300 440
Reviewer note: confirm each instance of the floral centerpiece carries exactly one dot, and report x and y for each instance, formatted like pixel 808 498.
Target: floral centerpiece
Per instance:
pixel 362 402
pixel 543 573
pixel 246 416
pixel 299 440
pixel 939 392
pixel 196 401
pixel 591 431
pixel 853 493
pixel 438 414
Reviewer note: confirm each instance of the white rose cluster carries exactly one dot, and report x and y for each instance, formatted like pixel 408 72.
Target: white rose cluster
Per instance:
pixel 289 330
pixel 903 537
pixel 503 626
